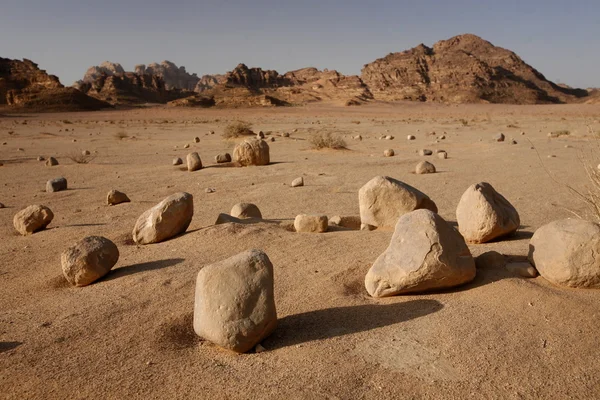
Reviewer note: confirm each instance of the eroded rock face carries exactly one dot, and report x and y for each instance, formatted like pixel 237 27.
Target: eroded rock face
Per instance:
pixel 234 304
pixel 89 260
pixel 168 218
pixel 425 253
pixel 252 151
pixel 484 214
pixel 32 219
pixel 174 77
pixel 383 200
pixel 565 252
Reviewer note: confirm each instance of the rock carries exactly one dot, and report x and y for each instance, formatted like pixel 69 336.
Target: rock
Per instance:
pixel 32 219
pixel 285 134
pixel 389 137
pixel 484 214
pixel 56 185
pixel 410 137
pixel 271 139
pixel 425 167
pixel 311 223
pixel 350 222
pixel 425 253
pixel 499 137
pixel 234 303
pixel 115 197
pixel 383 200
pixel 196 139
pixel 443 137
pixel 425 152
pixel 2 205
pixel 490 259
pixel 564 252
pixel 223 158
pixel 168 218
pixel 260 135
pixel 245 210
pixel 523 269
pixel 177 161
pixel 51 161
pixel 513 141
pixel 187 146
pixel 388 153
pixel 209 190
pixel 89 260
pixel 85 153
pixel 259 349
pixel 442 155
pixel 252 152
pixel 298 182
pixel 193 162
pixel 226 218
pixel 358 137
pixel 41 158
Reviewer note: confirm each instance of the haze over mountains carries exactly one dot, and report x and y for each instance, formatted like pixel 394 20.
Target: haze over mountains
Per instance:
pixel 463 69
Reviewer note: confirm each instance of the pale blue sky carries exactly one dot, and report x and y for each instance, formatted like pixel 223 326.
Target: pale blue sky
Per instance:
pixel 559 38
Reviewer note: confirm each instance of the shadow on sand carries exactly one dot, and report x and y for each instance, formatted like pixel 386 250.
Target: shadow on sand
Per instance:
pixel 142 267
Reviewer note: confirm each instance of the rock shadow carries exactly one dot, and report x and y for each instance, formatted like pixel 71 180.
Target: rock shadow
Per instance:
pixel 142 267
pixel 6 346
pixel 340 321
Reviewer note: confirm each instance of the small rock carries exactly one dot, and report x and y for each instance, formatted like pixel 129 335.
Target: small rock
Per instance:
pixel 260 135
pixel 285 134
pixel 20 149
pixel 115 197
pixel 443 137
pixel 193 162
pixel 358 137
pixel 223 158
pixel 350 222
pixel 552 156
pixel 51 161
pixel 389 137
pixel 522 133
pixel 442 155
pixel 388 153
pixel 271 139
pixel 177 161
pixel 311 223
pixel 196 139
pixel 298 182
pixel 245 210
pixel 513 141
pixel 490 259
pixel 56 185
pixel 186 146
pixel 209 190
pixel 499 137
pixel 89 260
pixel 85 153
pixel 226 218
pixel 211 132
pixel 524 269
pixel 259 348
pixel 410 137
pixel 2 205
pixel 32 219
pixel 425 167
pixel 425 152
pixel 41 158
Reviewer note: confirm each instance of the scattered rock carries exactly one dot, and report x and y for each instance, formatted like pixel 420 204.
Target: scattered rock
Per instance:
pixel 51 161
pixel 484 214
pixel 32 219
pixel 209 190
pixel 523 269
pixel 187 146
pixel 223 158
pixel 260 135
pixel 350 222
pixel 89 260
pixel 499 137
pixel 85 153
pixel 115 197
pixel 41 158
pixel 425 152
pixel 234 303
pixel 490 259
pixel 425 167
pixel 193 162
pixel 564 252
pixel 245 210
pixel 177 161
pixel 168 218
pixel 513 141
pixel 442 155
pixel 389 137
pixel 410 137
pixel 443 137
pixel 56 185
pixel 259 349
pixel 358 137
pixel 252 152
pixel 285 134
pixel 311 223
pixel 196 139
pixel 298 182
pixel 383 200
pixel 388 153
pixel 271 139
pixel 425 253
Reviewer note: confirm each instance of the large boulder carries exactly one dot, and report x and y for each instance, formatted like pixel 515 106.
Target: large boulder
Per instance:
pixel 383 200
pixel 32 219
pixel 565 252
pixel 89 260
pixel 425 253
pixel 168 218
pixel 193 162
pixel 235 305
pixel 56 185
pixel 484 214
pixel 252 151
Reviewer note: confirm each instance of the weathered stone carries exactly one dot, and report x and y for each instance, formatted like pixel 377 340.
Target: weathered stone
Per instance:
pixel 115 197
pixel 223 158
pixel 425 253
pixel 89 260
pixel 252 152
pixel 383 200
pixel 245 210
pixel 51 161
pixel 234 303
pixel 442 155
pixel 193 162
pixel 56 185
pixel 388 153
pixel 425 167
pixel 298 182
pixel 196 139
pixel 523 269
pixel 565 252
pixel 425 152
pixel 177 161
pixel 490 259
pixel 410 137
pixel 311 223
pixel 85 153
pixel 168 218
pixel 499 137
pixel 32 219
pixel 484 214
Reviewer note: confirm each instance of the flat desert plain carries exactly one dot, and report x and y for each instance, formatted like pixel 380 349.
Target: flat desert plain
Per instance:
pixel 130 335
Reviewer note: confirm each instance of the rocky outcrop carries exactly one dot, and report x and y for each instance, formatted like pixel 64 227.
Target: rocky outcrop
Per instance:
pixel 174 77
pixel 463 69
pixel 106 68
pixel 23 85
pixel 208 82
pixel 255 78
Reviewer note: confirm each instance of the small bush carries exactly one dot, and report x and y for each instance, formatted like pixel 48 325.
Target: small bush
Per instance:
pixel 237 129
pixel 326 141
pixel 80 157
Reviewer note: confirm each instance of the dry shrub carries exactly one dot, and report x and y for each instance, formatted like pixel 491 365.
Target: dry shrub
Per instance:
pixel 326 141
pixel 79 157
pixel 237 129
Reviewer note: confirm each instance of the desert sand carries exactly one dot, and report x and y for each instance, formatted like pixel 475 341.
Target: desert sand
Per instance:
pixel 130 334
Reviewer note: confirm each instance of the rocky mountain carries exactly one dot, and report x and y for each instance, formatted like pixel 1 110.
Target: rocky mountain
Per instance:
pixel 463 69
pixel 23 85
pixel 173 76
pixel 208 82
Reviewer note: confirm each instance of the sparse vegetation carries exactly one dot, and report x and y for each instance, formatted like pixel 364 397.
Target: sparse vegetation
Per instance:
pixel 80 157
pixel 326 141
pixel 237 129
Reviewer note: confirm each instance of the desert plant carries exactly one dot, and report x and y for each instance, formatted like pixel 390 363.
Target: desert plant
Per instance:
pixel 237 129
pixel 80 157
pixel 326 140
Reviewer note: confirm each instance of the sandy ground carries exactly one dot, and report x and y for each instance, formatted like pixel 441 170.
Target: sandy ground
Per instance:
pixel 130 334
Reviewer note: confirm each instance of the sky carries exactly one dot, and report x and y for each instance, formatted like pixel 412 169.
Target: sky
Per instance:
pixel 561 39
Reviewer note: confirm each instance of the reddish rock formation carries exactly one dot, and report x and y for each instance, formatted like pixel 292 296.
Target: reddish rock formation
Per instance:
pixel 174 77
